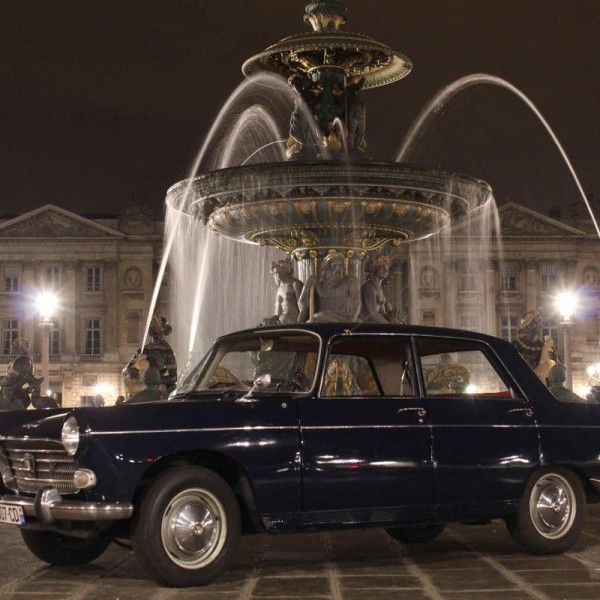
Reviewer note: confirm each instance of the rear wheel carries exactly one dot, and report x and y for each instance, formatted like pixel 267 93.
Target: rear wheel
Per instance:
pixel 57 549
pixel 416 534
pixel 187 527
pixel 551 514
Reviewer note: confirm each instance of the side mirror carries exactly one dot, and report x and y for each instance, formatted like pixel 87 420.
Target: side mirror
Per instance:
pixel 261 383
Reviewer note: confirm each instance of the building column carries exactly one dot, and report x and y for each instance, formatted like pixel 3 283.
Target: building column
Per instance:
pixel 111 326
pixel 491 324
pixel 531 285
pixel 69 299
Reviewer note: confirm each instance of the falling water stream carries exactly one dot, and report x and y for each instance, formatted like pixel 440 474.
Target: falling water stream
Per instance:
pixel 481 78
pixel 217 285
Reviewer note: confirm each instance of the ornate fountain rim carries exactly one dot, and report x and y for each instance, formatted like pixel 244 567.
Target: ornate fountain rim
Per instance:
pixel 379 64
pixel 292 205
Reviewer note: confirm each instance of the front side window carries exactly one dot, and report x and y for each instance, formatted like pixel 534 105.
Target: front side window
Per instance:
pixel 10 332
pixel 284 361
pixel 11 278
pixel 459 367
pixel 93 279
pixel 92 337
pixel 368 366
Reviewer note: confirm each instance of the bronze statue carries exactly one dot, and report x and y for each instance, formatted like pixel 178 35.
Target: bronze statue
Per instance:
pixel 157 353
pixel 447 377
pixel 556 385
pixel 288 292
pixel 539 352
pixel 332 297
pixel 20 387
pixel 374 306
pixel 151 392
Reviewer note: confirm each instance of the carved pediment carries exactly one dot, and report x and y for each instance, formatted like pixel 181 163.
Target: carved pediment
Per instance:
pixel 52 222
pixel 517 221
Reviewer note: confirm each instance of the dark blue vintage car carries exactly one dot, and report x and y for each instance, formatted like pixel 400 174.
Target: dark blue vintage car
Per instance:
pixel 306 427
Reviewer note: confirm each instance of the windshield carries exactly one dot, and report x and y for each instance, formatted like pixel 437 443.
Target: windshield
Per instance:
pixel 288 358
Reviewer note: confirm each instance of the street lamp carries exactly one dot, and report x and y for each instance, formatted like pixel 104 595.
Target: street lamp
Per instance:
pixel 566 303
pixel 46 305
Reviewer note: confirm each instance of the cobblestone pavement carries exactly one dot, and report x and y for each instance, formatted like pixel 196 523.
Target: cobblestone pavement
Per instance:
pixel 464 563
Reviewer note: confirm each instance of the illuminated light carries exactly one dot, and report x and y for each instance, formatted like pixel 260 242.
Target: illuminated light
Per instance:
pixel 70 435
pixel 104 389
pixel 585 390
pixel 46 303
pixel 471 389
pixel 566 304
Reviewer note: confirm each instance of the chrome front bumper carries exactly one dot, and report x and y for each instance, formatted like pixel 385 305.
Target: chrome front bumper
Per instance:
pixel 48 505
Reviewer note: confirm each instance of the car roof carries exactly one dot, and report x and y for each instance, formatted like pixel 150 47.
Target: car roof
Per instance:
pixel 327 330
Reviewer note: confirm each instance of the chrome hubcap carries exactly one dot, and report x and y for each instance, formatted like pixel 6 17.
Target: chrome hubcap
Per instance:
pixel 194 528
pixel 552 506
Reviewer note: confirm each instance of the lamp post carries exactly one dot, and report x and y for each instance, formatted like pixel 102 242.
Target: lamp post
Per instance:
pixel 46 304
pixel 566 303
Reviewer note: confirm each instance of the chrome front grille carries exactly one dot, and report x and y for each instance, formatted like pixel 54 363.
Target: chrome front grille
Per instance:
pixel 30 465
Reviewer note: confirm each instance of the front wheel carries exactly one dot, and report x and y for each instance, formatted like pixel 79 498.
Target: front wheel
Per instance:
pixel 187 527
pixel 416 534
pixel 550 516
pixel 57 549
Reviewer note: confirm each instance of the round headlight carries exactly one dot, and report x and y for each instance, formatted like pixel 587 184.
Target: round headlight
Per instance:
pixel 70 435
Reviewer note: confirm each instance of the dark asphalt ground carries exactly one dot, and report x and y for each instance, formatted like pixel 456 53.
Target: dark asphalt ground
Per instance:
pixel 465 562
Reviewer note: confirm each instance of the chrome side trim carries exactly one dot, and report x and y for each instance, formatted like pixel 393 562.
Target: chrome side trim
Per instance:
pixel 246 428
pixel 48 506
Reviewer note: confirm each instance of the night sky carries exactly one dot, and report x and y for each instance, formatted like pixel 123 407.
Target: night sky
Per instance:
pixel 105 102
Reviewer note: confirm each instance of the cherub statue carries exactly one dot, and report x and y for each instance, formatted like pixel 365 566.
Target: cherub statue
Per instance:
pixel 288 292
pixel 374 306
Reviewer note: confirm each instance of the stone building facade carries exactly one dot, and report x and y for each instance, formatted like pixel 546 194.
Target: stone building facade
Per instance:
pixel 540 257
pixel 104 269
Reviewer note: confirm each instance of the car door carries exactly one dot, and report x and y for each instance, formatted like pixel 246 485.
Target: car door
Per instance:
pixel 366 442
pixel 485 439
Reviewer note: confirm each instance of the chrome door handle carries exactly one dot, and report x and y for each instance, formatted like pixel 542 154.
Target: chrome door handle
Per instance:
pixel 526 411
pixel 421 412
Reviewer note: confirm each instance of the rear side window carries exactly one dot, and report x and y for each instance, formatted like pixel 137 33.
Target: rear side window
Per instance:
pixel 365 365
pixel 459 367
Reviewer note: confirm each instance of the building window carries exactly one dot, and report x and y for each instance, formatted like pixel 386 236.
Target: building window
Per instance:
pixel 428 318
pixel 93 279
pixel 509 278
pixel 547 277
pixel 467 279
pixel 10 332
pixel 55 339
pixel 429 278
pixel 91 336
pixel 468 322
pixel 509 326
pixel 11 278
pixel 550 330
pixel 52 278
